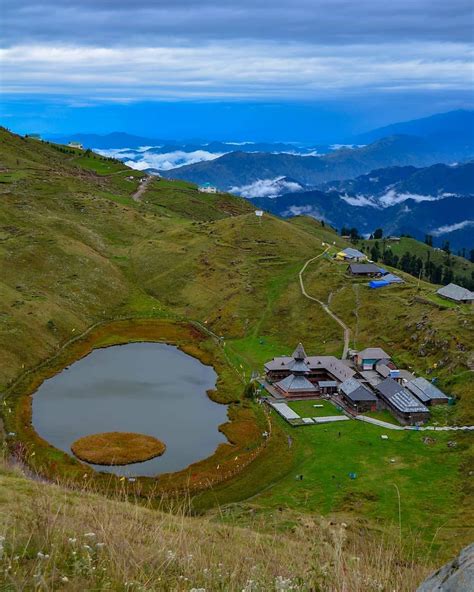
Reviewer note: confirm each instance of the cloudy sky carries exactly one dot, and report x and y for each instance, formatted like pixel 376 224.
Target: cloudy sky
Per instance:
pixel 220 68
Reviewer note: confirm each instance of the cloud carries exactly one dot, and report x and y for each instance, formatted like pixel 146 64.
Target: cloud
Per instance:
pixel 304 211
pixel 267 188
pixel 143 22
pixel 452 227
pixel 359 201
pixel 166 161
pixel 219 70
pixel 392 198
pixel 389 199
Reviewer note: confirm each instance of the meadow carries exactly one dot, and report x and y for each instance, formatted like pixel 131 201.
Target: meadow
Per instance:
pixel 84 265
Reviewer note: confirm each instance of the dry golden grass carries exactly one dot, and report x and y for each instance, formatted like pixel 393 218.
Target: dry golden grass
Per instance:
pixel 53 538
pixel 117 448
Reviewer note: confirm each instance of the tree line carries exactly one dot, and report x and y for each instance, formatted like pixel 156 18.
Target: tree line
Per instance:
pixel 436 272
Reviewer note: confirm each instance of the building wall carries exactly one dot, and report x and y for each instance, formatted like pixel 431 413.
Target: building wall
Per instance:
pixel 361 406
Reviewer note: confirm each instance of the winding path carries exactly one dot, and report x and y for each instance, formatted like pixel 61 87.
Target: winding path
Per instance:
pixel 325 307
pixel 137 196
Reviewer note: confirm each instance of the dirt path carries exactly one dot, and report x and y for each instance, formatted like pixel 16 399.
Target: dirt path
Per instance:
pixel 325 307
pixel 137 196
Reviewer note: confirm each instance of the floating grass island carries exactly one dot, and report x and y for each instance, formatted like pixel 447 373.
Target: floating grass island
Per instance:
pixel 117 448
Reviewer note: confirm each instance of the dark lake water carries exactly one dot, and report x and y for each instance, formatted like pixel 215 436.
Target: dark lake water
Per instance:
pixel 149 388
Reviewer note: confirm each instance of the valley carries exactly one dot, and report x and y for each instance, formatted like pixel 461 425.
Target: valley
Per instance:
pixel 85 266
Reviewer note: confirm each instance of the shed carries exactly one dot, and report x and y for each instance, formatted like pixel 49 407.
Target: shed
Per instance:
pixel 364 269
pixel 402 403
pixel 357 396
pixel 370 356
pixel 427 392
pixel 393 279
pixel 351 254
pixel 456 293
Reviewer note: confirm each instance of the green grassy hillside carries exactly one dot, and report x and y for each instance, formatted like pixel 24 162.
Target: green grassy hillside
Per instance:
pixel 78 252
pixel 459 269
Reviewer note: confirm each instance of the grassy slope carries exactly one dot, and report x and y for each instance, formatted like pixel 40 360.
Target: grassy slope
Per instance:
pixel 75 249
pixel 75 540
pixel 459 265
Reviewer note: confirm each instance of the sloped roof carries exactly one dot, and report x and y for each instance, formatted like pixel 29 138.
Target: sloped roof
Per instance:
pixel 355 391
pixel 393 279
pixel 364 268
pixel 331 364
pixel 424 390
pixel 299 353
pixel 400 397
pixel 354 253
pixel 455 292
pixel 296 383
pixel 373 353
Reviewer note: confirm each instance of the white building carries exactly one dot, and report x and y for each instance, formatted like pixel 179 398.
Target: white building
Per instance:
pixel 207 188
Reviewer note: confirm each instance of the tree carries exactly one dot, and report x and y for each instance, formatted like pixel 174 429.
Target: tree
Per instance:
pixel 251 389
pixel 471 255
pixel 378 233
pixel 375 252
pixel 354 234
pixel 448 276
pixel 405 262
pixel 446 248
pixel 429 240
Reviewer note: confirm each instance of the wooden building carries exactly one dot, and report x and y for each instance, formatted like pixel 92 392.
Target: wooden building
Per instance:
pixel 402 403
pixel 357 396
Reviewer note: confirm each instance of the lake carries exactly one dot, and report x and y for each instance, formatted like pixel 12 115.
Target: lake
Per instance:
pixel 148 388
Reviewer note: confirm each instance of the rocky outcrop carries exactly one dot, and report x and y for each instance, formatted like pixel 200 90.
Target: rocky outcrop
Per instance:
pixel 455 576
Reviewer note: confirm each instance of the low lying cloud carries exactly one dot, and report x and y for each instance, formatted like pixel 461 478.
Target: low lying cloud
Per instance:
pixel 164 162
pixel 392 198
pixel 267 188
pixel 304 211
pixel 452 227
pixel 389 199
pixel 359 201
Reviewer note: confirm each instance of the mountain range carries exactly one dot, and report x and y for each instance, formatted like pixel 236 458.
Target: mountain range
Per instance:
pixel 436 200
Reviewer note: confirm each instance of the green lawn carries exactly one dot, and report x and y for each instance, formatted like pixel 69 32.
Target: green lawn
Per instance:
pixel 383 415
pixel 425 474
pixel 307 408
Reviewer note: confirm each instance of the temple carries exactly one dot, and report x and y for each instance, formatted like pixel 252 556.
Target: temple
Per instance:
pixel 300 375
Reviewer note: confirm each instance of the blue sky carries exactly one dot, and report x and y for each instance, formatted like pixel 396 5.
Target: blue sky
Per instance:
pixel 306 70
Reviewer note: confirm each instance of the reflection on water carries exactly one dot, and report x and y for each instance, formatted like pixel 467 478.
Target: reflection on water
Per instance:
pixel 149 388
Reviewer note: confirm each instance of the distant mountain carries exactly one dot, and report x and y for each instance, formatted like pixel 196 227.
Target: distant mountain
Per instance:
pixel 437 200
pixel 455 128
pixel 435 180
pixel 237 169
pixel 121 140
pixel 114 140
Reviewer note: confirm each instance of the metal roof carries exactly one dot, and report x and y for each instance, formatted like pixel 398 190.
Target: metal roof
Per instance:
pixel 393 279
pixel 399 397
pixel 327 383
pixel 331 364
pixel 425 390
pixel 299 353
pixel 349 385
pixel 373 353
pixel 455 292
pixel 285 411
pixel 355 391
pixel 294 383
pixel 364 268
pixel 354 253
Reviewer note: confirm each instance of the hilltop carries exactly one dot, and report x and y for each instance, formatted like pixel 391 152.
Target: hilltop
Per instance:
pixel 80 256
